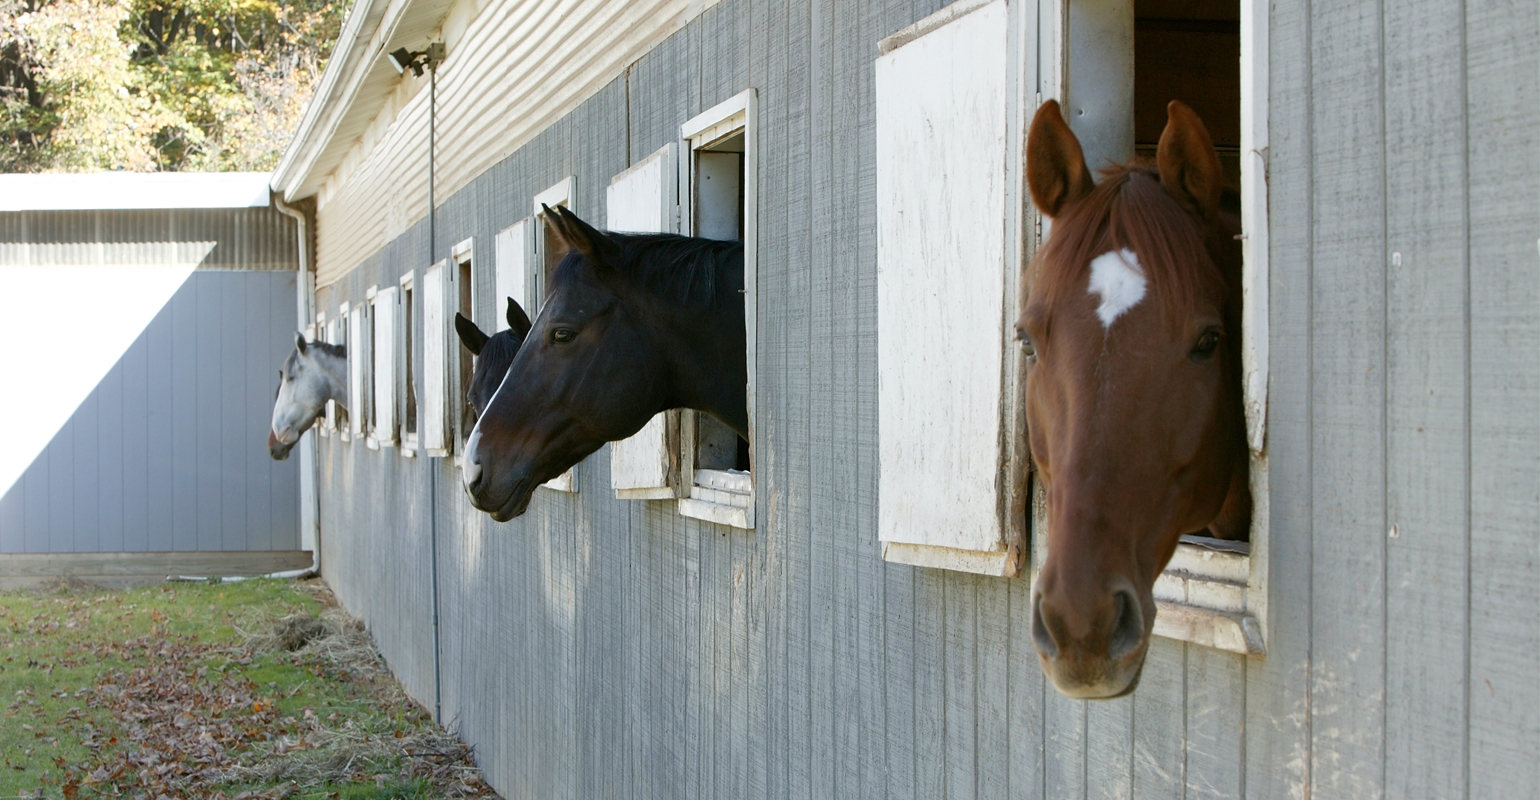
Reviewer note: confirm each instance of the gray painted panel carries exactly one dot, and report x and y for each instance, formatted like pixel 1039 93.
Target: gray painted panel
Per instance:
pixel 1503 108
pixel 110 481
pixel 606 648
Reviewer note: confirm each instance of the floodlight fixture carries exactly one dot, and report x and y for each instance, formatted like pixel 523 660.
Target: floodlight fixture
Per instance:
pixel 403 59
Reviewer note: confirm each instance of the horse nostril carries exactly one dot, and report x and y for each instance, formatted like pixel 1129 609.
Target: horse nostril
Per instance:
pixel 1041 636
pixel 1127 626
pixel 471 474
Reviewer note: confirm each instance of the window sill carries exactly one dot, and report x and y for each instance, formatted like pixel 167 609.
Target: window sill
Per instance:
pixel 1000 563
pixel 725 497
pixel 565 482
pixel 1201 598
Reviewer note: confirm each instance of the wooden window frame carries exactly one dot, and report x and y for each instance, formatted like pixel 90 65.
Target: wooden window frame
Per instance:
pixel 359 384
pixel 559 194
pixel 386 432
pixel 1212 593
pixel 437 388
pixel 323 333
pixel 408 403
pixel 463 254
pixel 727 498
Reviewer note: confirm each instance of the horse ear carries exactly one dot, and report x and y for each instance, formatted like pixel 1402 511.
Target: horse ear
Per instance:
pixel 299 342
pixel 517 319
pixel 1189 165
pixel 1056 170
pixel 470 335
pixel 595 246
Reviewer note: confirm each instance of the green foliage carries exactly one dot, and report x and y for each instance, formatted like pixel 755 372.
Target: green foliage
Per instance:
pixel 157 84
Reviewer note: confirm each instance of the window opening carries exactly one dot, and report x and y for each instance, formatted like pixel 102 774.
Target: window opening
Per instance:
pixel 549 251
pixel 465 303
pixel 408 363
pixel 718 175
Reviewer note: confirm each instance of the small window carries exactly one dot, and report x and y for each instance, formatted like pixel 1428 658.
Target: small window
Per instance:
pixel 1212 55
pixel 642 200
pixel 337 414
pixel 719 179
pixel 384 423
pixel 406 362
pixel 358 371
pixel 548 252
pixel 435 359
pixel 465 303
pixel 951 487
pixel 323 333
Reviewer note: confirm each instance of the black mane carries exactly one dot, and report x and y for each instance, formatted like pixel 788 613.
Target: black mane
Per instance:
pixel 683 268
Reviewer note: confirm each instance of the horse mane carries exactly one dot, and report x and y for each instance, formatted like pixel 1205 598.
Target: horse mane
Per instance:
pixel 334 350
pixel 1129 209
pixel 681 268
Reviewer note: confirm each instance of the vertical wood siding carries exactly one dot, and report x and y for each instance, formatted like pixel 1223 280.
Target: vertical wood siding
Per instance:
pixel 606 648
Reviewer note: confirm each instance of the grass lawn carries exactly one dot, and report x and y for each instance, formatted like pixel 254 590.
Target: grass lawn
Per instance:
pixel 252 689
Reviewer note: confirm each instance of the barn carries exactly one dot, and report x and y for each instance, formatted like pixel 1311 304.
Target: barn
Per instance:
pixel 144 316
pixel 849 615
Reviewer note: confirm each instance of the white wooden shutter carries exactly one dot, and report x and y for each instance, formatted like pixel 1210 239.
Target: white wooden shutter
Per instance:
pixel 942 117
pixel 515 250
pixel 435 355
pixel 641 200
pixel 385 314
pixel 358 364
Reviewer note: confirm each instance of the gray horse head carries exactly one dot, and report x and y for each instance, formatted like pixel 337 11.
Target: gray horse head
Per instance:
pixel 313 373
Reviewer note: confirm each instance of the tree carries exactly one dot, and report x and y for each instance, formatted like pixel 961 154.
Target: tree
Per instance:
pixel 157 84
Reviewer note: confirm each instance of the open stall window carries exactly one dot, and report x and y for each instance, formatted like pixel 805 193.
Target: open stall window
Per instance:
pixel 718 180
pixel 436 400
pixel 642 200
pixel 324 333
pixel 337 415
pixel 951 451
pixel 466 293
pixel 547 253
pixel 358 372
pixel 406 363
pixel 384 423
pixel 1125 60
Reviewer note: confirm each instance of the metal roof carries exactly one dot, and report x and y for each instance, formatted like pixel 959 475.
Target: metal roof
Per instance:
pixel 102 191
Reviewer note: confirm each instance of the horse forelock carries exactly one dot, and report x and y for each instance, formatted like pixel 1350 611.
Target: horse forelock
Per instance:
pixel 1129 210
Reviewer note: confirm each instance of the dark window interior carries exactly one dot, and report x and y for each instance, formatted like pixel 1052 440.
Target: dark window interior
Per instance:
pixel 718 190
pixel 467 411
pixel 409 418
pixel 1189 50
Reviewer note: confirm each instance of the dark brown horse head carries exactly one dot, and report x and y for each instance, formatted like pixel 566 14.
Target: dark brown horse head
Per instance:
pixel 632 324
pixel 1132 329
pixel 493 353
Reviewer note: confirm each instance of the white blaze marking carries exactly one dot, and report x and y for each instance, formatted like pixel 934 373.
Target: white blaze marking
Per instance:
pixel 1117 279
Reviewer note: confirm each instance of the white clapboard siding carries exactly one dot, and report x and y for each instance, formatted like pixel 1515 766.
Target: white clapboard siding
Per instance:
pixel 942 105
pixel 435 351
pixel 358 367
pixel 385 314
pixel 513 247
pixel 641 200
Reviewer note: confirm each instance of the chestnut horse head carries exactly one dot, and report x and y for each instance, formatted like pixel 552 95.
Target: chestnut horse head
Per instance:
pixel 1132 331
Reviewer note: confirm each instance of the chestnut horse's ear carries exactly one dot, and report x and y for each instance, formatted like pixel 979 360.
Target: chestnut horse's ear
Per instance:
pixel 1189 165
pixel 598 248
pixel 517 319
pixel 1056 170
pixel 470 335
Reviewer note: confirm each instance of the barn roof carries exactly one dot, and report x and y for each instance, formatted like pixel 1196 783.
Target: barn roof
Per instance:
pixel 110 191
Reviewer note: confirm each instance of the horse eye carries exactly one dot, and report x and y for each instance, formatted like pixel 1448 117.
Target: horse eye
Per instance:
pixel 563 335
pixel 1208 342
pixel 1028 349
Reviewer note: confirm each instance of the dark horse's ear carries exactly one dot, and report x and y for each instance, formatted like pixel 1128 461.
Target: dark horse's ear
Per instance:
pixel 470 335
pixel 598 248
pixel 1189 165
pixel 517 319
pixel 1056 170
pixel 299 342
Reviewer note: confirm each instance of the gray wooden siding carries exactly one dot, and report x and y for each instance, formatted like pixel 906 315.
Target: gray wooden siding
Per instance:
pixel 603 648
pixel 169 451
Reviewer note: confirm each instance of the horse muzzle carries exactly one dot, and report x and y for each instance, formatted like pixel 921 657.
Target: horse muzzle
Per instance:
pixel 277 448
pixel 1097 656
